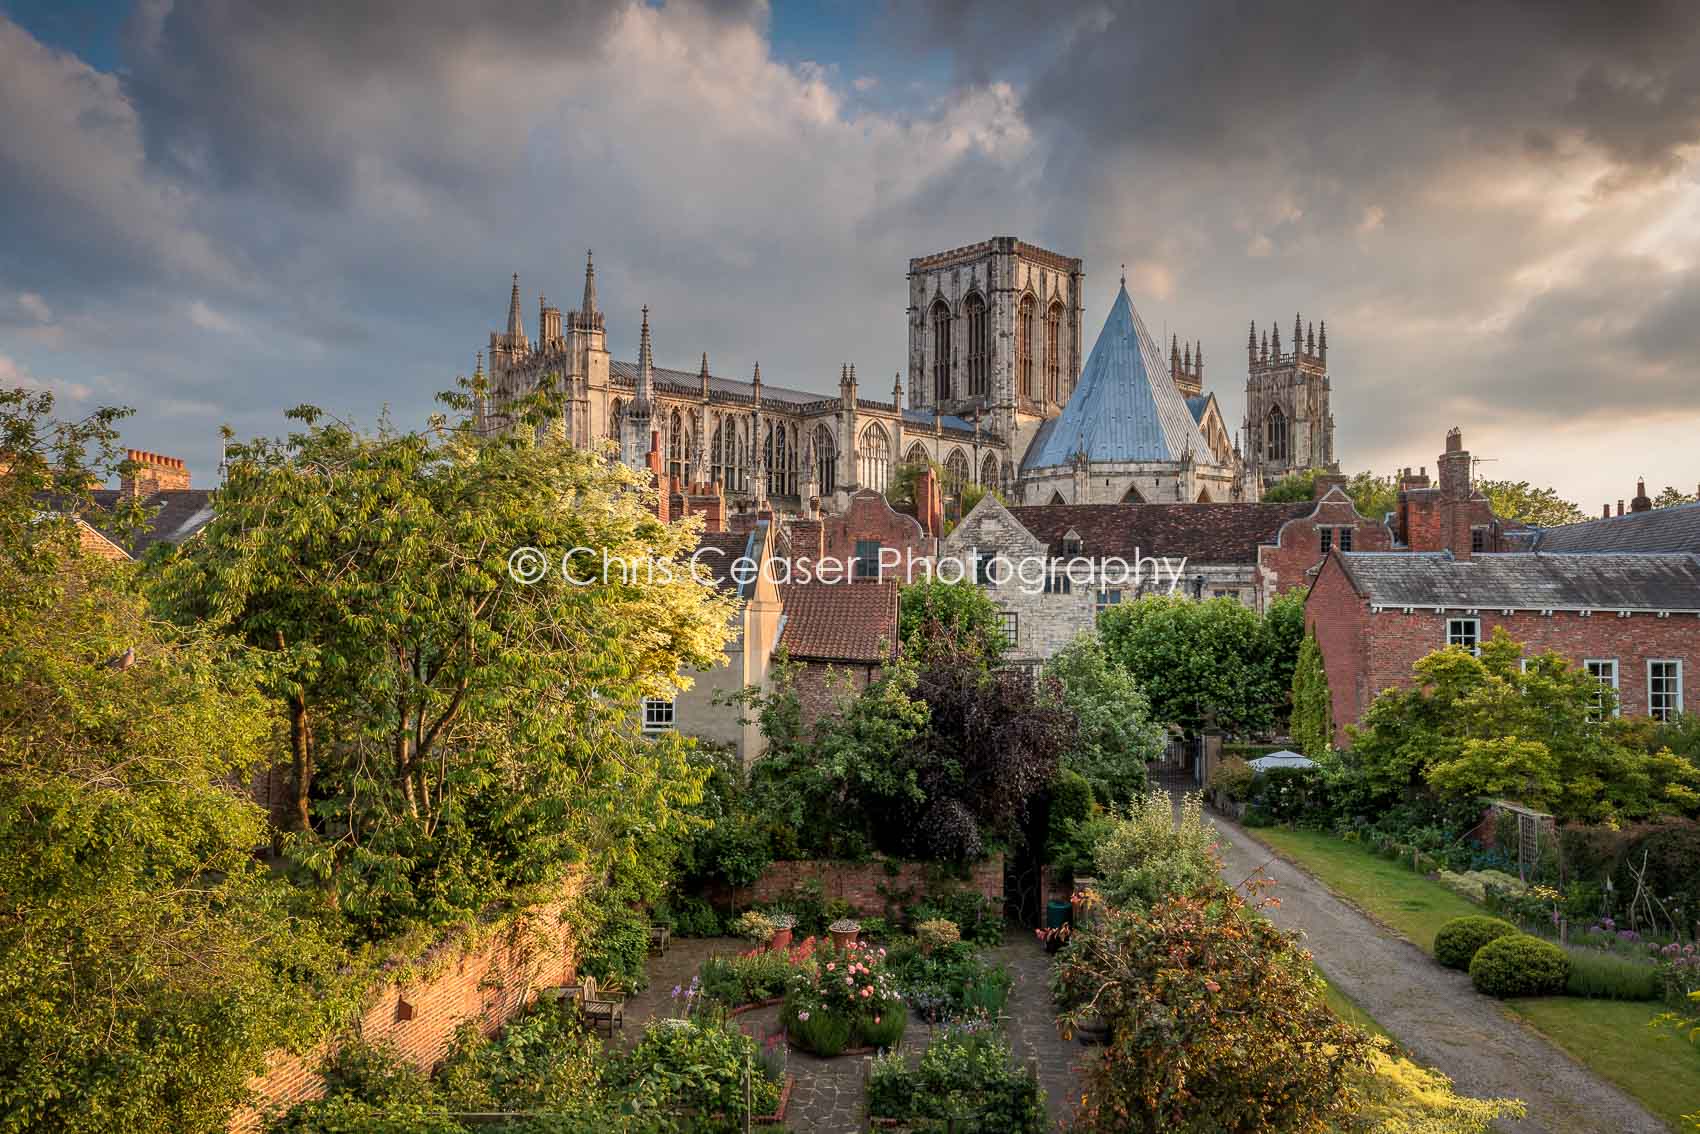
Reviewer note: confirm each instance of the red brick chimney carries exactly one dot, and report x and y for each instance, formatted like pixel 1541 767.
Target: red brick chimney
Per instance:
pixel 152 473
pixel 929 502
pixel 1454 473
pixel 1326 482
pixel 663 489
pixel 1642 502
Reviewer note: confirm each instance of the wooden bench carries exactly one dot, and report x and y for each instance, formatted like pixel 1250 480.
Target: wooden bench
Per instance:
pixel 601 1006
pixel 658 937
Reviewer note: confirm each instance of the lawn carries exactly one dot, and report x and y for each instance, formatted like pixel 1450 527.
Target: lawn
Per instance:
pixel 1611 1038
pixel 1408 903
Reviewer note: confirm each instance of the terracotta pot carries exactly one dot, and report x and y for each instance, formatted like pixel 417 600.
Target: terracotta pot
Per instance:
pixel 926 948
pixel 845 940
pixel 781 939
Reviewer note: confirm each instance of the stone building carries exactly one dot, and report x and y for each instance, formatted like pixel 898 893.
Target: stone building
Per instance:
pixel 996 396
pixel 1289 424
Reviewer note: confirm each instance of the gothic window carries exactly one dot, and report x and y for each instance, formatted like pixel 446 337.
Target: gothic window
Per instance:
pixel 941 352
pixel 617 420
pixel 955 480
pixel 826 460
pixel 1132 496
pixel 1276 437
pixel 676 447
pixel 917 455
pixel 876 458
pixel 1053 353
pixel 717 455
pixel 989 471
pixel 1024 346
pixel 979 345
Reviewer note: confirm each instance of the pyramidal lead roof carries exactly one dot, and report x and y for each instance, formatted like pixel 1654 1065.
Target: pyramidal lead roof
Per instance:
pixel 1125 407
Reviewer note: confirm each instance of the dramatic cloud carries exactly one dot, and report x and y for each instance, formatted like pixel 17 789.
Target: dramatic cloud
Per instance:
pixel 1493 204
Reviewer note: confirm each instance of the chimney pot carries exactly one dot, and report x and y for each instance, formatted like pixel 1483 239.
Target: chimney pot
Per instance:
pixel 1620 507
pixel 1605 510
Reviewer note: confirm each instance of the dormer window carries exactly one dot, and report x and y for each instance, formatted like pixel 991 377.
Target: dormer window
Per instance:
pixel 1072 543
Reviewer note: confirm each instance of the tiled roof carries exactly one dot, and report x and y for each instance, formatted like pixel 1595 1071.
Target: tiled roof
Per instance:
pixel 845 622
pixel 1662 529
pixel 1527 581
pixel 717 551
pixel 1207 533
pixel 175 514
pixel 1125 406
pixel 692 380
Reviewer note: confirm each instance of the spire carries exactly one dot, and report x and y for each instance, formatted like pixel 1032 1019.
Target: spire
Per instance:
pixel 516 328
pixel 1174 354
pixel 1322 342
pixel 646 366
pixel 1251 342
pixel 756 382
pixel 1186 360
pixel 588 307
pixel 1124 275
pixel 1263 350
pixel 852 375
pixel 897 390
pixel 1310 338
pixel 1275 344
pixel 1198 360
pixel 703 375
pixel 1298 334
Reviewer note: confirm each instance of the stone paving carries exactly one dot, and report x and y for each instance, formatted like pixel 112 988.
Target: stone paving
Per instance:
pixel 827 1097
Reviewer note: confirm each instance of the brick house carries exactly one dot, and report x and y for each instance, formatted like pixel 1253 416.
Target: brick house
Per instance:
pixel 1631 616
pixel 1248 552
pixel 176 511
pixel 840 636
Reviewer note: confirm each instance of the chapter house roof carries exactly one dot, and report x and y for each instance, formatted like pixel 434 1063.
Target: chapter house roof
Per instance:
pixel 1600 581
pixel 1208 533
pixel 1125 407
pixel 1663 529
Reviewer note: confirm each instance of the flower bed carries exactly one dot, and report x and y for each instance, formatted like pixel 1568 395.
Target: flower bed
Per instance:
pixel 754 977
pixel 966 1079
pixel 840 1001
pixel 950 982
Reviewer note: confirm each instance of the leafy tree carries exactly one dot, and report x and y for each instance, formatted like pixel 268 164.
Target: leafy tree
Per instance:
pixel 905 479
pixel 1669 497
pixel 1200 662
pixel 457 736
pixel 1473 726
pixel 1373 496
pixel 1115 736
pixel 932 610
pixel 1313 707
pixel 1520 500
pixel 1216 1023
pixel 1147 854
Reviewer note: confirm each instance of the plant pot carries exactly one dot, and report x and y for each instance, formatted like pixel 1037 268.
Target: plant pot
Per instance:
pixel 926 948
pixel 1092 1030
pixel 781 940
pixel 842 940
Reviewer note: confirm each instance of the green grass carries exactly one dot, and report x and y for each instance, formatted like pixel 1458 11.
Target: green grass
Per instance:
pixel 1347 1009
pixel 1612 1038
pixel 1410 904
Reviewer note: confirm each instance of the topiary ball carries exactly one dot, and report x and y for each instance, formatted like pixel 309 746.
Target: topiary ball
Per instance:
pixel 1520 965
pixel 1456 943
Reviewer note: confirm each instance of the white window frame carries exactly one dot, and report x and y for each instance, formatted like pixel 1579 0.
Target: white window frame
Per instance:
pixel 654 709
pixel 1676 709
pixel 1475 634
pixel 1589 665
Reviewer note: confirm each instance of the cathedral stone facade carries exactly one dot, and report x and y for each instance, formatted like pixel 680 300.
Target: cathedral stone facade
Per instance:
pixel 996 395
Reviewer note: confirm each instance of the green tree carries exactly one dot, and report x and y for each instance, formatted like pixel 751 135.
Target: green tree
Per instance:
pixel 1373 496
pixel 1116 735
pixel 1199 662
pixel 1669 497
pixel 1313 707
pixel 1519 500
pixel 457 735
pixel 905 478
pixel 933 609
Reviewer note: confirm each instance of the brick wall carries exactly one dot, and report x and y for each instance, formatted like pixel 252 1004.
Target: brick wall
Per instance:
pixel 822 688
pixel 489 983
pixel 1298 550
pixel 1340 620
pixel 868 516
pixel 861 883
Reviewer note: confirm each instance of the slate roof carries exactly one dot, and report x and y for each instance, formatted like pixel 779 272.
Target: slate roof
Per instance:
pixel 691 381
pixel 1206 533
pixel 840 622
pixel 175 514
pixel 1196 405
pixel 1663 529
pixel 1125 406
pixel 717 551
pixel 1526 581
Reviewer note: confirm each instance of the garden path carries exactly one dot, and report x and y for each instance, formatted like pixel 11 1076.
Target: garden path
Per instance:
pixel 1433 1011
pixel 827 1097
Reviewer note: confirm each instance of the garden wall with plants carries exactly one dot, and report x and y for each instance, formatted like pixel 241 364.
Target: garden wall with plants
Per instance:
pixel 870 888
pixel 415 1015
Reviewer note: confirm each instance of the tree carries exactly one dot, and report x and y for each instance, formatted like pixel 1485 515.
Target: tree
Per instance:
pixel 905 478
pixel 1521 501
pixel 1670 497
pixel 457 736
pixel 1199 662
pixel 1216 1023
pixel 1373 496
pixel 1115 736
pixel 933 609
pixel 1313 707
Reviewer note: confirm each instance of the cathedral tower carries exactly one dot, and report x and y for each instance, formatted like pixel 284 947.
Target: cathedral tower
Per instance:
pixel 1289 426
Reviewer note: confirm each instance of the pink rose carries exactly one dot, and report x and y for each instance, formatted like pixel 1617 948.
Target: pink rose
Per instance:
pixel 867 992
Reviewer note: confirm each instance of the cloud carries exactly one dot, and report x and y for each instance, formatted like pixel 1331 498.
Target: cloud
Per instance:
pixel 207 319
pixel 35 306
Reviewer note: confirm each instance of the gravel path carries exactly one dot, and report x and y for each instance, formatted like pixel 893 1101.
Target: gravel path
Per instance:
pixel 1433 1011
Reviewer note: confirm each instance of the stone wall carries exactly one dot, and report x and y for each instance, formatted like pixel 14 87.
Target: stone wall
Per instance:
pixel 865 885
pixel 489 983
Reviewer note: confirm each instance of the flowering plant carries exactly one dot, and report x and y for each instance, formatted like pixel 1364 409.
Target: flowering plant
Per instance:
pixel 937 933
pixel 845 925
pixel 851 993
pixel 755 926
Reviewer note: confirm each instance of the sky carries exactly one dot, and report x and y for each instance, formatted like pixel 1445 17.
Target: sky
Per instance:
pixel 215 210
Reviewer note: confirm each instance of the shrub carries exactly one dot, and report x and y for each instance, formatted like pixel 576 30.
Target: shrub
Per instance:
pixel 618 947
pixel 1401 1097
pixel 1148 856
pixel 700 1067
pixel 1519 965
pixel 965 1082
pixel 753 925
pixel 1458 939
pixel 1600 975
pixel 822 1032
pixel 1232 778
pixel 693 917
pixel 1071 804
pixel 853 987
pixel 937 933
pixel 977 918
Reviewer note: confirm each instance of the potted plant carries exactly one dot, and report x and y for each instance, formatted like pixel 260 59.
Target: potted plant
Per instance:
pixel 783 926
pixel 753 925
pixel 937 933
pixel 844 932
